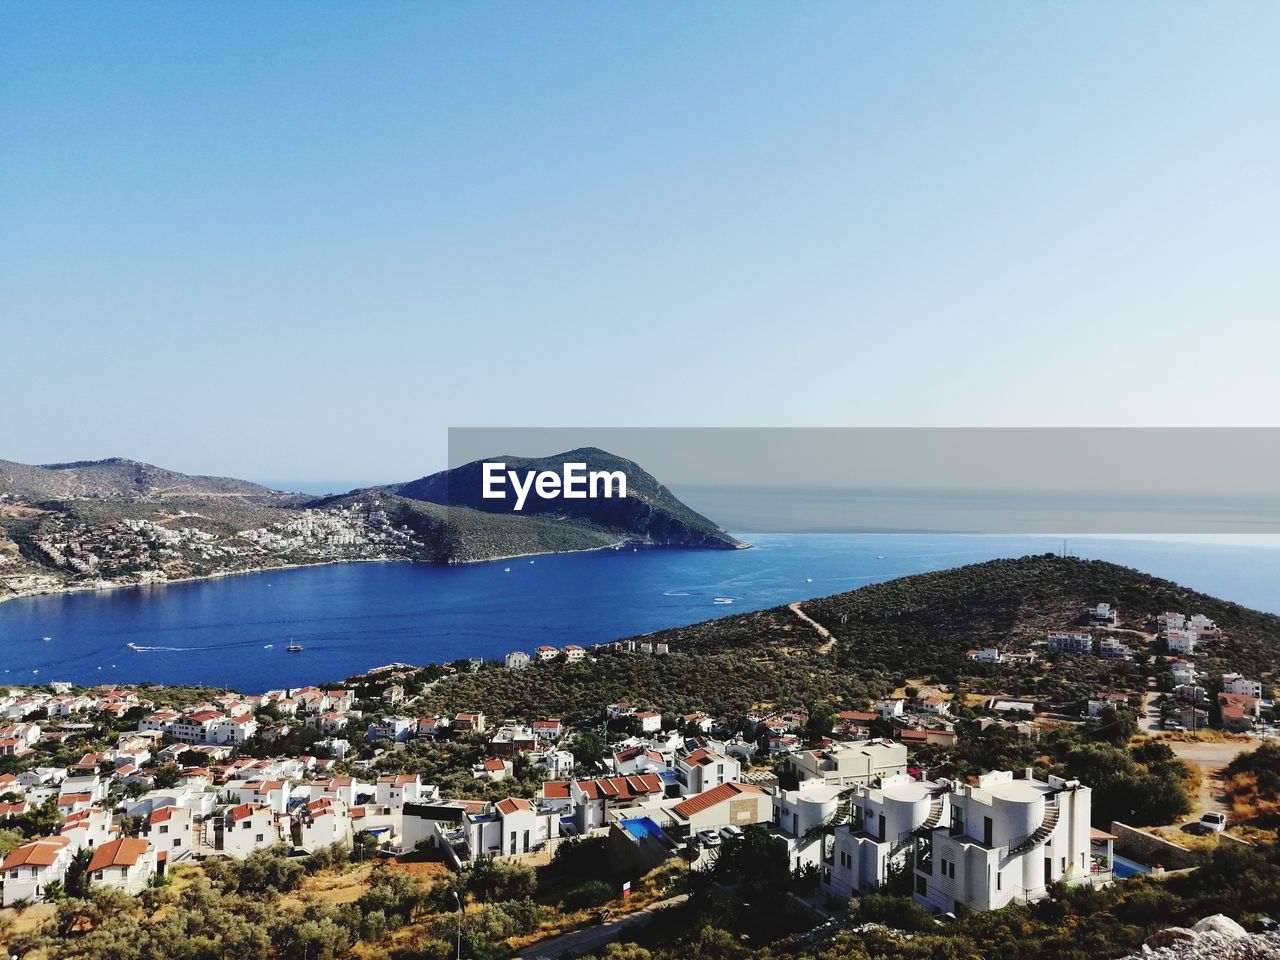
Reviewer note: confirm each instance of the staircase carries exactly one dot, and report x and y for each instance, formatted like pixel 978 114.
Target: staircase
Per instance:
pixel 1039 835
pixel 935 815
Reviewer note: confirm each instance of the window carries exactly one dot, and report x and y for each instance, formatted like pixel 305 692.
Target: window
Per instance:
pixel 999 880
pixel 177 843
pixel 260 837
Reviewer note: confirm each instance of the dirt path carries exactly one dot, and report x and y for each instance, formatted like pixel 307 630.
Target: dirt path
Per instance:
pixel 1210 756
pixel 823 632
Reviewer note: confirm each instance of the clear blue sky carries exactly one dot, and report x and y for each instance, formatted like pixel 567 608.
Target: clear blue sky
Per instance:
pixel 298 241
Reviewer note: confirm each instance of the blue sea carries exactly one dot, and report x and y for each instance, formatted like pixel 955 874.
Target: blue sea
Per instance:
pixel 355 616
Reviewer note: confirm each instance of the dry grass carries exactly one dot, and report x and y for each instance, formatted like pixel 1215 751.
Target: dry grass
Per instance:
pixel 1206 736
pixel 29 918
pixel 1248 803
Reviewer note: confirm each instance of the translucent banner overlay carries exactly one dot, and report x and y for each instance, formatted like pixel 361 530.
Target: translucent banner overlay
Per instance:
pixel 1198 481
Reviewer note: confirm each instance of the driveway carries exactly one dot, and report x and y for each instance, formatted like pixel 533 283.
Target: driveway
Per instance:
pixel 592 938
pixel 1210 756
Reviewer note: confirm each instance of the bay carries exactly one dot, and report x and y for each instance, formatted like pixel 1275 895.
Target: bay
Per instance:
pixel 233 631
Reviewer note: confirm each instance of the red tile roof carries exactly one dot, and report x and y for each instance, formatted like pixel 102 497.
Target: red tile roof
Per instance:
pixel 513 805
pixel 621 788
pixel 124 852
pixel 556 789
pixel 37 853
pixel 726 791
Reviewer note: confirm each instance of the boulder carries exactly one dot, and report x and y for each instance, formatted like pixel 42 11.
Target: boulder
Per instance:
pixel 1222 925
pixel 1170 937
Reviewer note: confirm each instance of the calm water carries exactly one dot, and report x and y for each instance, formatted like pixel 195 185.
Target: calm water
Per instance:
pixel 352 617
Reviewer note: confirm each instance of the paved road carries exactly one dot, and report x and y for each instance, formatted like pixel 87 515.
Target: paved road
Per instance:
pixel 592 938
pixel 1149 722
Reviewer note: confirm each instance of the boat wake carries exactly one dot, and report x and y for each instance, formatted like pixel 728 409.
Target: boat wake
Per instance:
pixel 140 648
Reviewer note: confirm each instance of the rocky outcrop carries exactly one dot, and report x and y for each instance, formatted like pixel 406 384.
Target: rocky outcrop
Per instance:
pixel 1214 938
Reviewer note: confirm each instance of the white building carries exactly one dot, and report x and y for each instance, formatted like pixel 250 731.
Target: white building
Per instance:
pixel 546 652
pixel 249 827
pixel 1180 641
pixel 574 653
pixel 1235 683
pixel 171 831
pixel 847 764
pixel 1007 840
pixel 516 660
pixel 127 864
pixel 558 763
pixel 647 721
pixel 1102 615
pixel 880 830
pixel 1070 641
pixel 396 789
pixel 88 828
pixel 321 823
pixel 730 804
pixel 704 769
pixel 392 728
pixel 30 868
pixel 797 814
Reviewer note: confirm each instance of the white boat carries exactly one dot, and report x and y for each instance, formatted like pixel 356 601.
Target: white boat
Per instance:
pixel 723 600
pixel 880 556
pixel 808 579
pixel 46 639
pixel 294 648
pixel 506 569
pixel 267 646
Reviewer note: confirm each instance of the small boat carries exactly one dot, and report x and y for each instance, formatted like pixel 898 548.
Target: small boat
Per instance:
pixel 808 579
pixel 723 600
pixel 880 556
pixel 294 648
pixel 46 639
pixel 506 569
pixel 531 561
pixel 267 646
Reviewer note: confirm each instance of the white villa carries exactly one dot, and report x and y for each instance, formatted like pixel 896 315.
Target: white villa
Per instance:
pixel 1005 841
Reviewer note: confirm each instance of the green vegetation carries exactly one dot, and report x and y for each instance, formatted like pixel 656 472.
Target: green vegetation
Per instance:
pixel 1076 923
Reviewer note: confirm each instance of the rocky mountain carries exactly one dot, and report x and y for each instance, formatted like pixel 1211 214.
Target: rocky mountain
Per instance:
pixel 649 513
pixel 116 522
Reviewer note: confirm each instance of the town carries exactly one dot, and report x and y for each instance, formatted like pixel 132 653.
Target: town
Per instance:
pixel 125 786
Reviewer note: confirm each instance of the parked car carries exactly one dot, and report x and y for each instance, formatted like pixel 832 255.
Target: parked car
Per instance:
pixel 730 832
pixel 709 838
pixel 1213 822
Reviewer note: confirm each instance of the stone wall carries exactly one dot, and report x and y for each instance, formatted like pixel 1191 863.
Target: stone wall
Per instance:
pixel 1145 848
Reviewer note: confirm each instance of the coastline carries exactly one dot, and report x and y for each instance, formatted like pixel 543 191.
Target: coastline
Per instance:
pixel 104 585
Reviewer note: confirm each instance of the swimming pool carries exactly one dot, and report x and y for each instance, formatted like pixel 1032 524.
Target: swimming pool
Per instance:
pixel 641 827
pixel 1124 868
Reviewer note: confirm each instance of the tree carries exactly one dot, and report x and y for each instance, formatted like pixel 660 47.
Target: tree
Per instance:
pixel 76 879
pixel 168 776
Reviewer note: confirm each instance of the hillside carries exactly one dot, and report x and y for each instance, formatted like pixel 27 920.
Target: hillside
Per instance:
pixel 649 513
pixel 118 479
pixel 885 635
pixel 115 522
